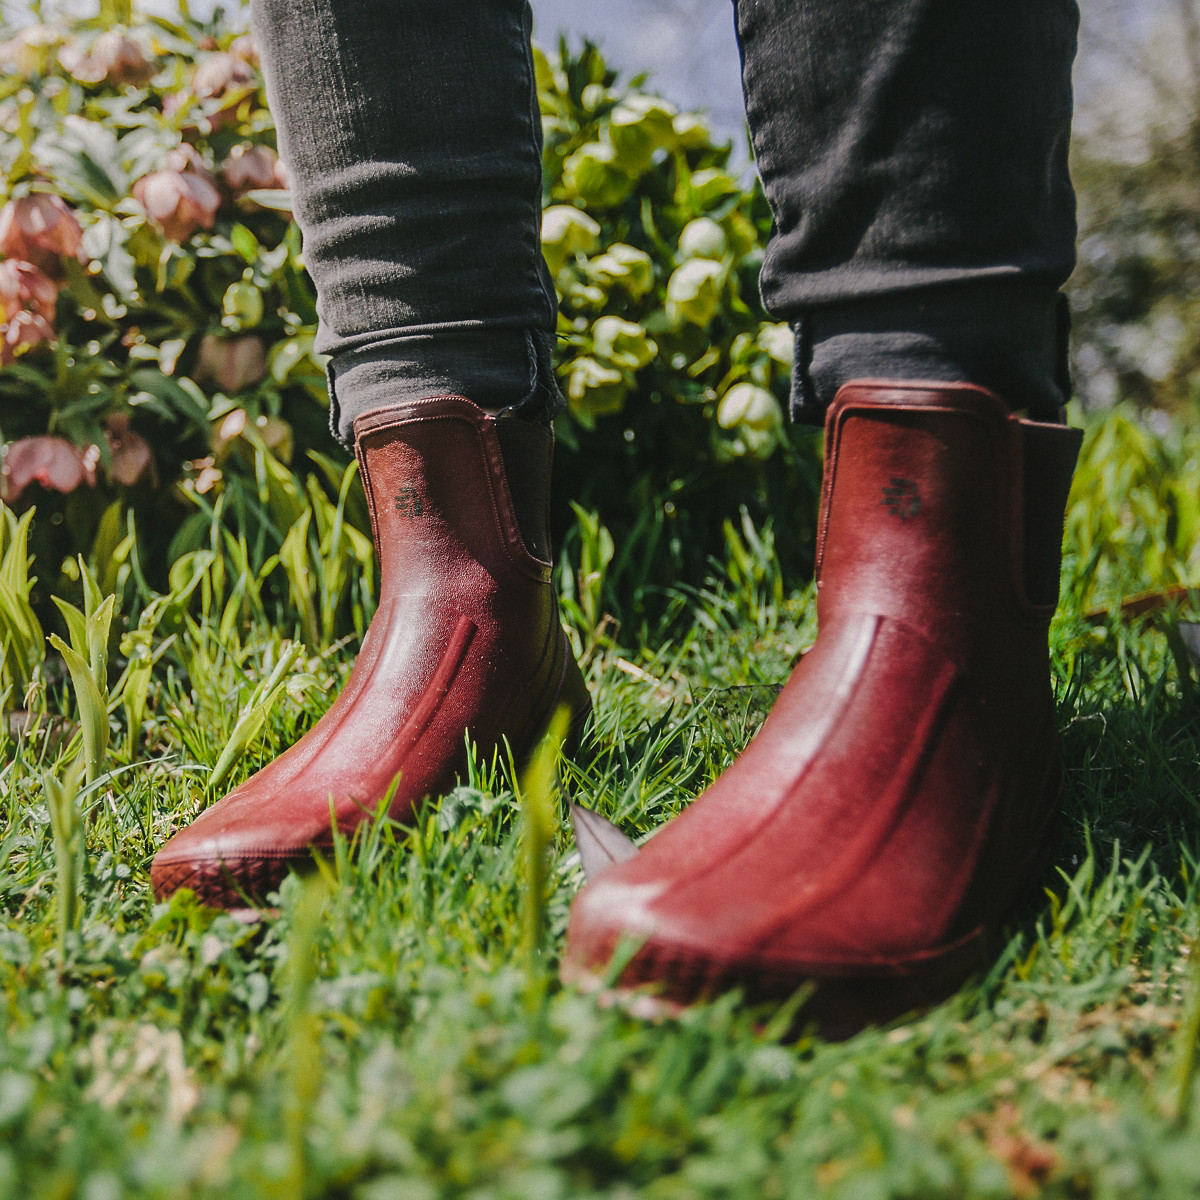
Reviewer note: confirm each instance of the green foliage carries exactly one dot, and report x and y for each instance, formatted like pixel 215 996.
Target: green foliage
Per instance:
pixel 676 378
pixel 1134 513
pixel 254 716
pixel 21 640
pixel 67 828
pixel 87 661
pixel 540 813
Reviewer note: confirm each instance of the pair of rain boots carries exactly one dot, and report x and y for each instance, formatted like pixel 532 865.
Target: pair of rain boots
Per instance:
pixel 881 827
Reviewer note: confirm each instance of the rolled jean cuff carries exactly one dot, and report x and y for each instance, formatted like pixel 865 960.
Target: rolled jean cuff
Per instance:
pixel 1010 339
pixel 507 370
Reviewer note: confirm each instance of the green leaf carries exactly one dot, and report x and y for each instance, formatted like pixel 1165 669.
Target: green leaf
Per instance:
pixel 178 399
pixel 93 712
pixel 254 716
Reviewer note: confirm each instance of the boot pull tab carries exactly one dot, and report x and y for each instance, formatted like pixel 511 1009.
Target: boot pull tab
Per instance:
pixel 1048 462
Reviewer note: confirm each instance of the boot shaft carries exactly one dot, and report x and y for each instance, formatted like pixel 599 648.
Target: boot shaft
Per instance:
pixel 941 509
pixel 442 505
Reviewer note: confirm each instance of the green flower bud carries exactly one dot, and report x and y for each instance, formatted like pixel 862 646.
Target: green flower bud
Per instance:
pixel 593 96
pixel 778 341
pixel 623 266
pixel 596 176
pixel 702 238
pixel 639 126
pixel 242 305
pixel 750 407
pixel 595 390
pixel 567 231
pixel 623 343
pixel 694 291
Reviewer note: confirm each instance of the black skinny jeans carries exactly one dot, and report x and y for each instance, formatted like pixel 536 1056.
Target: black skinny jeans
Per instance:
pixel 914 153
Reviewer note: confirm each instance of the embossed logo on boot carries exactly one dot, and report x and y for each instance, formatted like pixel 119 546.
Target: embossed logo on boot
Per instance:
pixel 408 502
pixel 901 498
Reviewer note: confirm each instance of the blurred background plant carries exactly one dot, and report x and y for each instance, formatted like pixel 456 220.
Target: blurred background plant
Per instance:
pixel 1136 162
pixel 676 380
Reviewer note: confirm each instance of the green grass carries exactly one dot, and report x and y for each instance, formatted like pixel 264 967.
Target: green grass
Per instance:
pixel 398 1032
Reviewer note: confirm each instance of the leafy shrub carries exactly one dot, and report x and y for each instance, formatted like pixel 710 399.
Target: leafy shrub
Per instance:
pixel 158 321
pixel 676 379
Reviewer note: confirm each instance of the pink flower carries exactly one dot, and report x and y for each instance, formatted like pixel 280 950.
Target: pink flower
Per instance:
pixel 249 167
pixel 28 52
pixel 277 436
pixel 185 157
pixel 231 363
pixel 114 58
pixel 243 47
pixel 227 430
pixel 220 73
pixel 178 202
pixel 24 331
pixel 23 286
pixel 51 461
pixel 132 458
pixel 41 229
pixel 207 475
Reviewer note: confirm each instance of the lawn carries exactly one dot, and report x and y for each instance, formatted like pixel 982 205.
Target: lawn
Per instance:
pixel 398 1030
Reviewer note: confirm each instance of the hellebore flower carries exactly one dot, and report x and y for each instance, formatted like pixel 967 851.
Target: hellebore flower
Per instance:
pixel 251 167
pixel 694 292
pixel 622 343
pixel 178 202
pixel 779 341
pixel 623 266
pixel 27 53
pixel 24 331
pixel 220 73
pixel 567 231
pixel 746 404
pixel 51 461
pixel 243 47
pixel 113 58
pixel 41 229
pixel 132 458
pixel 226 431
pixel 702 238
pixel 231 363
pixel 185 157
pixel 23 286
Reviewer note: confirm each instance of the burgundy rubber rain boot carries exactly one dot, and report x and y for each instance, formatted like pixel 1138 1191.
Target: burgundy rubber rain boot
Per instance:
pixel 903 794
pixel 466 638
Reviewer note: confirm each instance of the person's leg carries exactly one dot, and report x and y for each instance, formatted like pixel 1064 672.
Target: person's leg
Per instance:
pixel 915 156
pixel 413 144
pixel 904 791
pixel 411 134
